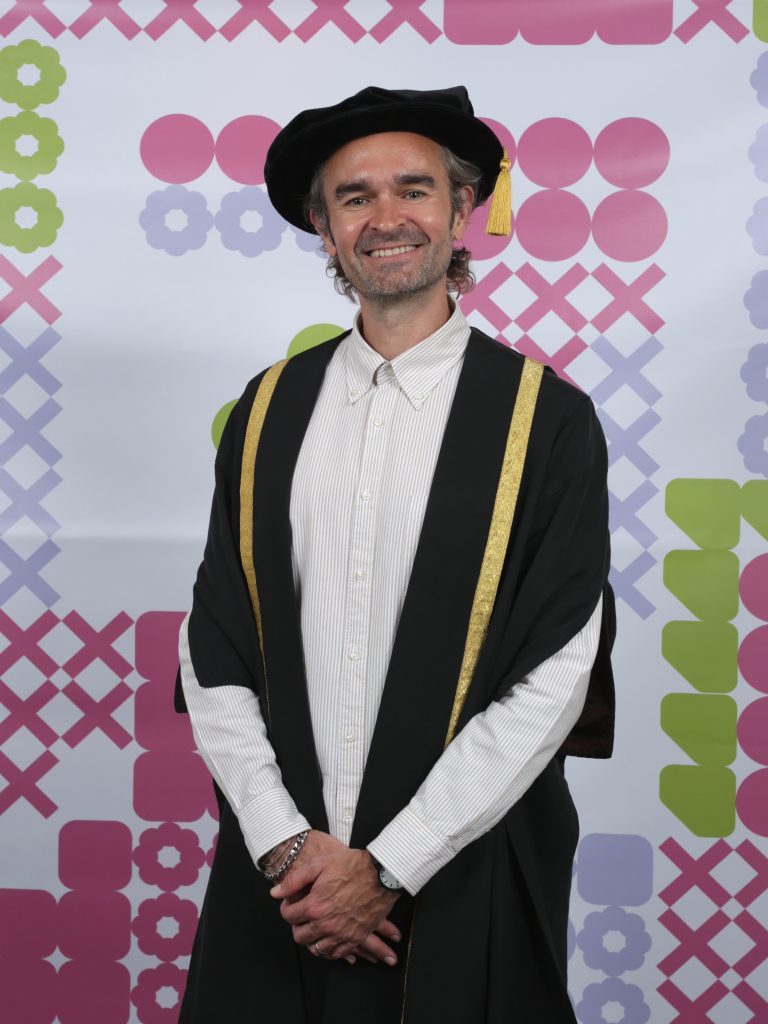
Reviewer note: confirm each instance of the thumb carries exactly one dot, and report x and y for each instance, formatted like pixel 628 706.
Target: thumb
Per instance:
pixel 296 880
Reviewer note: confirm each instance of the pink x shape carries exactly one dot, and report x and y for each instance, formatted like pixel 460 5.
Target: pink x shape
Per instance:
pixel 97 714
pixel 695 871
pixel 480 297
pixel 104 10
pixel 692 1011
pixel 98 644
pixel 759 952
pixel 755 888
pixel 24 643
pixel 25 712
pixel 557 360
pixel 405 12
pixel 711 11
pixel 330 11
pixel 35 9
pixel 254 10
pixel 27 289
pixel 551 297
pixel 628 298
pixel 179 10
pixel 694 942
pixel 753 1001
pixel 23 783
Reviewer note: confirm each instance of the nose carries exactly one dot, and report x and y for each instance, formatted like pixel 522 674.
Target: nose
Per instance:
pixel 387 212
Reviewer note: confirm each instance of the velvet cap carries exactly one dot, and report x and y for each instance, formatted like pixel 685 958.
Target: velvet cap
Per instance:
pixel 444 115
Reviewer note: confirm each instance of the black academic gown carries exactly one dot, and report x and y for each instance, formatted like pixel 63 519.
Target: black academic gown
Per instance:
pixel 484 941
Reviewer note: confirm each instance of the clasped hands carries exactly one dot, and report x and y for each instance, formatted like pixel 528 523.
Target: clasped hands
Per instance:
pixel 331 895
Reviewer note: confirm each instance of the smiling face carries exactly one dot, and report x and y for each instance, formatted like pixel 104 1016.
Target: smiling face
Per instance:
pixel 390 220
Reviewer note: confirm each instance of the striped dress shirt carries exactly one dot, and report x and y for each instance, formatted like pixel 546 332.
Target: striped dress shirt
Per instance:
pixel 358 498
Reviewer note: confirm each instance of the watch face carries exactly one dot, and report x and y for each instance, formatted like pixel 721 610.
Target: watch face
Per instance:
pixel 389 880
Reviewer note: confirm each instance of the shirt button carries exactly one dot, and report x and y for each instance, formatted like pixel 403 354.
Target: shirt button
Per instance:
pixel 354 654
pixel 351 737
pixel 353 394
pixel 359 574
pixel 378 422
pixel 365 495
pixel 347 814
pixel 418 396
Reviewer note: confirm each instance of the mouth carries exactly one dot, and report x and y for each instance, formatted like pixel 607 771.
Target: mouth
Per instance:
pixel 388 251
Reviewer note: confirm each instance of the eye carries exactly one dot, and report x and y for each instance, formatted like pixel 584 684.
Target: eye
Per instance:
pixel 414 193
pixel 356 201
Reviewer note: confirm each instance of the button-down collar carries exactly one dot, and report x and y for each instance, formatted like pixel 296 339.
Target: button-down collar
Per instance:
pixel 417 370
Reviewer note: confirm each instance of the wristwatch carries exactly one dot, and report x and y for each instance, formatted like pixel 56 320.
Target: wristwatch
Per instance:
pixel 386 878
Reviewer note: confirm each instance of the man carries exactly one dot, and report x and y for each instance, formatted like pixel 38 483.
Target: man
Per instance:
pixel 401 623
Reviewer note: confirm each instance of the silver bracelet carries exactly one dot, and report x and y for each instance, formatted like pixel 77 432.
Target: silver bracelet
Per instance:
pixel 290 857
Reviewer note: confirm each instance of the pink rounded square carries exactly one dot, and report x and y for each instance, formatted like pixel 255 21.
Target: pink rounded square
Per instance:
pixel 95 855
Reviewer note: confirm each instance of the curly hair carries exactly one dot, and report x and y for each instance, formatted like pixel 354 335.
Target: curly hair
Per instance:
pixel 461 173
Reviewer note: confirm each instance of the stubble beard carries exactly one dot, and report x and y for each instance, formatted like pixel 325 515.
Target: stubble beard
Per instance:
pixel 402 285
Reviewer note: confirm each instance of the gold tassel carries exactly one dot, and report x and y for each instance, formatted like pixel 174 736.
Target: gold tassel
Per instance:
pixel 500 210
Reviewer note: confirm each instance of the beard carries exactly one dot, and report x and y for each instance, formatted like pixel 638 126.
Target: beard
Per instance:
pixel 400 279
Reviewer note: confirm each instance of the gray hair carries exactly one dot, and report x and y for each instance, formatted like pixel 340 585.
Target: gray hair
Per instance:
pixel 461 173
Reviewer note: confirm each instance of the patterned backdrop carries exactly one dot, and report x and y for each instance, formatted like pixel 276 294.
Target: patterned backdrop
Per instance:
pixel 145 278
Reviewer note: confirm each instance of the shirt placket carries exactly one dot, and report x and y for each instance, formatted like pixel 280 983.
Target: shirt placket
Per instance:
pixel 353 738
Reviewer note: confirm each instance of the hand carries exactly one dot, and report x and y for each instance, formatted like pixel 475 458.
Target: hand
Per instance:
pixel 331 895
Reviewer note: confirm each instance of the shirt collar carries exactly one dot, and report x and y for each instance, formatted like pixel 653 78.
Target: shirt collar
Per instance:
pixel 417 370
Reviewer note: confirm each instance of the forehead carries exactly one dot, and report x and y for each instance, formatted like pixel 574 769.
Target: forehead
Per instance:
pixel 383 155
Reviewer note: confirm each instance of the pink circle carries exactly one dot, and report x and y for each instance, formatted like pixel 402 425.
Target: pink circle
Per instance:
pixel 753 658
pixel 629 226
pixel 554 152
pixel 752 802
pixel 631 152
pixel 553 225
pixel 753 587
pixel 177 148
pixel 752 730
pixel 242 147
pixel 482 245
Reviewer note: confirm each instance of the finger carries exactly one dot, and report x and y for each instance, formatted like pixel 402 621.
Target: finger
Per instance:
pixel 365 955
pixel 295 912
pixel 373 945
pixel 306 934
pixel 296 880
pixel 389 931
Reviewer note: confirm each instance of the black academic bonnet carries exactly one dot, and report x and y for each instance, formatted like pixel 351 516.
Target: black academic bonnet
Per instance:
pixel 445 115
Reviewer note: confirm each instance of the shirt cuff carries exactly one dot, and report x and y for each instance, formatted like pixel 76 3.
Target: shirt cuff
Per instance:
pixel 411 851
pixel 269 819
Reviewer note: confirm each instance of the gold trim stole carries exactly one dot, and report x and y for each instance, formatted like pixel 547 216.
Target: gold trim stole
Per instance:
pixel 259 408
pixel 498 533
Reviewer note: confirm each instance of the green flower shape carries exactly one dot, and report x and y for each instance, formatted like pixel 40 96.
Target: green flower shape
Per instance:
pixel 49 217
pixel 45 89
pixel 50 145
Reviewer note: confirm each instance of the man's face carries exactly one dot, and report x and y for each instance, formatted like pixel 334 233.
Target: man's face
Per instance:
pixel 389 211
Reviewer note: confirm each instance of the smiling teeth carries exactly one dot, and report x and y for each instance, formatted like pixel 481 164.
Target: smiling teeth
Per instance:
pixel 392 252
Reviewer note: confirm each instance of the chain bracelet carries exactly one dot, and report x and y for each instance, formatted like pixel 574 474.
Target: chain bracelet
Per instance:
pixel 290 857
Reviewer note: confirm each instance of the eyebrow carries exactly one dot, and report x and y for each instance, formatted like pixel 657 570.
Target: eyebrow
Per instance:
pixel 345 188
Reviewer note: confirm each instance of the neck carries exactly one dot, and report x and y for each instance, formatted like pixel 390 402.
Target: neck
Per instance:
pixel 391 327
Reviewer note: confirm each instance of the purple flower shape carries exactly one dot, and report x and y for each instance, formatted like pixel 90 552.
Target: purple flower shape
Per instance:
pixel 751 444
pixel 176 242
pixel 757 227
pixel 234 236
pixel 184 841
pixel 759 79
pixel 613 990
pixel 144 995
pixel 151 912
pixel 591 938
pixel 754 372
pixel 756 299
pixel 308 242
pixel 758 152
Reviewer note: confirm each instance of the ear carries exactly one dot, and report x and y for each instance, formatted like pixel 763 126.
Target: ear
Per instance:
pixel 461 220
pixel 320 226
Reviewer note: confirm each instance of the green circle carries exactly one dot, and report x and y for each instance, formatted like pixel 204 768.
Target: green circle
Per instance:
pixel 220 421
pixel 45 89
pixel 49 217
pixel 313 335
pixel 50 145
